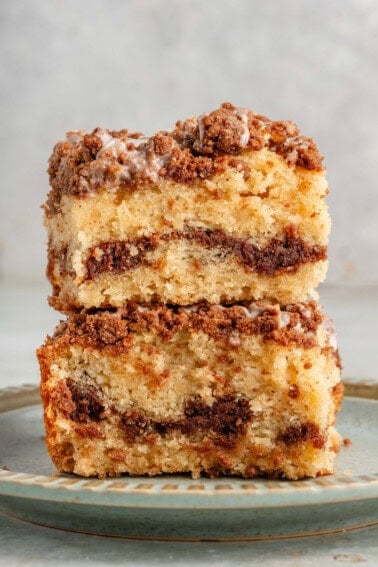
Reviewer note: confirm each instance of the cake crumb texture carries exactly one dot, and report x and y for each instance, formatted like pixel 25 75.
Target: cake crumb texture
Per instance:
pixel 241 390
pixel 228 206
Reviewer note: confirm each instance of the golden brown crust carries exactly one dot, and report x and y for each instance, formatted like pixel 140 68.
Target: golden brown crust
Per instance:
pixel 195 149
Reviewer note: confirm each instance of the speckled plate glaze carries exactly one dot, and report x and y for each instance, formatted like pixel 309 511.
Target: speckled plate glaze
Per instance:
pixel 178 507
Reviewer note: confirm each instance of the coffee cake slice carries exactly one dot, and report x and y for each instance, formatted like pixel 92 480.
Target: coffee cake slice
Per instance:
pixel 248 390
pixel 227 207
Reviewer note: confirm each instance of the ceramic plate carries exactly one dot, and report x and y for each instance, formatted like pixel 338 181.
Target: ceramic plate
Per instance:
pixel 178 507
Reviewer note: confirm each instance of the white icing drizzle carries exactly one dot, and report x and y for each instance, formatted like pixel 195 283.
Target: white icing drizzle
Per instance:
pixel 330 330
pixel 254 310
pixel 137 157
pixel 332 340
pixel 299 142
pixel 249 312
pixel 107 142
pixel 242 113
pixel 137 163
pixel 190 309
pixel 201 127
pixel 75 137
pixel 142 309
pixel 305 312
pixel 284 319
pixel 118 145
pixel 234 338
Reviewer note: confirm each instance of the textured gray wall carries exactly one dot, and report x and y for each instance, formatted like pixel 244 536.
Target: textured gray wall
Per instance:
pixel 144 64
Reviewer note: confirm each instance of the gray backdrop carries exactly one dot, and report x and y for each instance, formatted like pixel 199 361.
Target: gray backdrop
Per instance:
pixel 144 64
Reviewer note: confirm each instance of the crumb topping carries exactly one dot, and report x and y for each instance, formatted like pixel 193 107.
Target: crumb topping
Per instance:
pixel 114 329
pixel 196 148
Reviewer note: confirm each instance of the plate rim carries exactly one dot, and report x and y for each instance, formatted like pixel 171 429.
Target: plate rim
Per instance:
pixel 141 492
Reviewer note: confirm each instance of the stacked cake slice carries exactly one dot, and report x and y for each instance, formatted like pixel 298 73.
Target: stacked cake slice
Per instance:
pixel 186 264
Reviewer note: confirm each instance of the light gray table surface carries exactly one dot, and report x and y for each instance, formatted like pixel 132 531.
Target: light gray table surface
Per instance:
pixel 25 320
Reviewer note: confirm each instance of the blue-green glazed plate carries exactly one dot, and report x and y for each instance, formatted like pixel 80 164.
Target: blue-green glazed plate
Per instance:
pixel 178 507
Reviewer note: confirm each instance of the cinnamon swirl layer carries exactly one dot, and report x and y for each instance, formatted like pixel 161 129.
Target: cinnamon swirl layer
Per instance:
pixel 276 255
pixel 186 267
